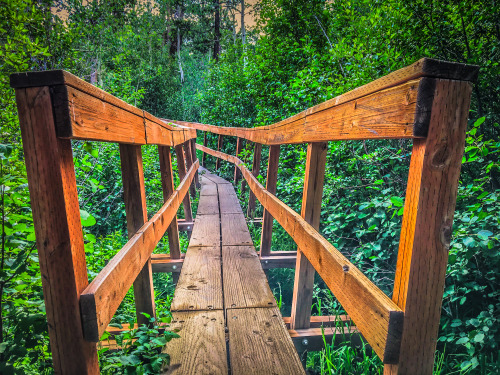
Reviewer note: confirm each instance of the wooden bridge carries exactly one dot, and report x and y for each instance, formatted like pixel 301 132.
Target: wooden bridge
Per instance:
pixel 225 312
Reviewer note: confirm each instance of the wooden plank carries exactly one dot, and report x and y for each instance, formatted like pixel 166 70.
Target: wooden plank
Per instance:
pixel 58 229
pixel 239 148
pixel 185 226
pixel 181 167
pixel 272 178
pixel 280 261
pixel 201 348
pixel 208 205
pixel 245 283
pixel 227 190
pixel 101 298
pixel 311 212
pixel 427 226
pixel 208 190
pixel 205 143
pixel 235 230
pixel 167 184
pixel 165 263
pixel 136 213
pixel 189 162
pixel 313 339
pixel 200 283
pixel 229 203
pixel 259 343
pixel 322 321
pixel 206 231
pixel 192 143
pixel 257 151
pixel 220 141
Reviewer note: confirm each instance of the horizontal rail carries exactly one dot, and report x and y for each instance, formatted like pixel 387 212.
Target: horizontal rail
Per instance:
pixel 395 106
pixel 377 317
pixel 83 111
pixel 99 301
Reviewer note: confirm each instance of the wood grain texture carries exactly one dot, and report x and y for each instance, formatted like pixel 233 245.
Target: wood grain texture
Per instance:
pixel 165 263
pixel 192 143
pixel 201 348
pixel 229 203
pixel 272 179
pixel 208 190
pixel 205 143
pixel 206 231
pixel 311 212
pixel 257 152
pixel 181 168
pixel 245 284
pixel 220 142
pixel 200 283
pixel 427 226
pixel 235 230
pixel 58 229
pixel 239 148
pixel 208 205
pixel 188 152
pixel 259 343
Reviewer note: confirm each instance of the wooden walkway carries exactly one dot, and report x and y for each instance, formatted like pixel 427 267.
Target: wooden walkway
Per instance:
pixel 223 307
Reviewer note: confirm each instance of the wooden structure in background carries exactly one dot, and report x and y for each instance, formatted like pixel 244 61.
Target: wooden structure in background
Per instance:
pixel 427 101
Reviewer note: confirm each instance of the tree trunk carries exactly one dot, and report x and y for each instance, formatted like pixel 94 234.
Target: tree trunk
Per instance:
pixel 217 30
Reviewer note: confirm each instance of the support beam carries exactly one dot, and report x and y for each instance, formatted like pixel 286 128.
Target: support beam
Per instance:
pixel 220 140
pixel 188 151
pixel 184 225
pixel 192 143
pixel 257 152
pixel 272 179
pixel 311 211
pixel 181 167
pixel 204 154
pixel 135 207
pixel 239 148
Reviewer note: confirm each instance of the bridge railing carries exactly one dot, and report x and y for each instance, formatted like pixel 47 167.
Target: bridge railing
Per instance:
pixel 428 102
pixel 54 108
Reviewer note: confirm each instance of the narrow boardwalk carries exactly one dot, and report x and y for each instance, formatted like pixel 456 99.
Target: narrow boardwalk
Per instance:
pixel 223 307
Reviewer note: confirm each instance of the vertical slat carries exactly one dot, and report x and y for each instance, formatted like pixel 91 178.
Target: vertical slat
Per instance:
pixel 195 157
pixel 427 226
pixel 204 154
pixel 239 147
pixel 272 178
pixel 135 207
pixel 58 229
pixel 255 171
pixel 189 162
pixel 311 211
pixel 220 141
pixel 181 167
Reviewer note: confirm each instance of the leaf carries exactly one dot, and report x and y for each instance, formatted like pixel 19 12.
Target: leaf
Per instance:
pixel 484 234
pixel 469 242
pixel 87 219
pixel 463 340
pixel 479 337
pixel 397 201
pixel 479 121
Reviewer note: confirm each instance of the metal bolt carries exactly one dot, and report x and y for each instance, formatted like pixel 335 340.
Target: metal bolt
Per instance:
pixel 266 261
pixel 189 227
pixel 174 267
pixel 305 342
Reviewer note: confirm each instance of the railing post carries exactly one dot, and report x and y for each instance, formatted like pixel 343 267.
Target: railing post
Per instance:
pixel 181 167
pixel 220 141
pixel 427 226
pixel 239 147
pixel 255 171
pixel 272 178
pixel 311 211
pixel 195 157
pixel 204 154
pixel 189 162
pixel 58 229
pixel 135 208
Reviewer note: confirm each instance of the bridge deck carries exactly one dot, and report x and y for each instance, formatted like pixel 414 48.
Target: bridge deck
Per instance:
pixel 223 307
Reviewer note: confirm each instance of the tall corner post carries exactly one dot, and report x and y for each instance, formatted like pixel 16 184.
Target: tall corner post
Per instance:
pixel 204 154
pixel 195 157
pixel 135 207
pixel 220 143
pixel 58 229
pixel 427 226
pixel 239 148
pixel 181 167
pixel 188 151
pixel 272 179
pixel 257 152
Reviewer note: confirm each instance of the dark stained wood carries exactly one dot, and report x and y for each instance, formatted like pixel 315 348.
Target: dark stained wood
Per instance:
pixel 58 229
pixel 427 226
pixel 185 226
pixel 200 283
pixel 206 231
pixel 235 230
pixel 280 261
pixel 192 143
pixel 259 343
pixel 239 148
pixel 257 151
pixel 201 348
pixel 272 178
pixel 245 284
pixel 181 167
pixel 203 155
pixel 189 162
pixel 322 321
pixel 311 212
pixel 220 141
pixel 165 263
pixel 313 339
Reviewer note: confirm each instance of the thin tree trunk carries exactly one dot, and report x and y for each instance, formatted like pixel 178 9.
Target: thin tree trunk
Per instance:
pixel 217 30
pixel 243 30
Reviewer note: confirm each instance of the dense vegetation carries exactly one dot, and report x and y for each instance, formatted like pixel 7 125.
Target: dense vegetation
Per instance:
pixel 187 60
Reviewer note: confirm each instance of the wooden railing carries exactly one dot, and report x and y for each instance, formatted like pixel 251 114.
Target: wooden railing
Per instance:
pixel 54 108
pixel 427 102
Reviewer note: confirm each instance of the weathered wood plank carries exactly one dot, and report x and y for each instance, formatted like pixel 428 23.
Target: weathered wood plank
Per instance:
pixel 189 162
pixel 235 230
pixel 165 263
pixel 259 343
pixel 201 348
pixel 245 283
pixel 208 190
pixel 257 152
pixel 313 339
pixel 200 283
pixel 206 231
pixel 279 261
pixel 58 229
pixel 229 203
pixel 427 226
pixel 208 205
pixel 272 179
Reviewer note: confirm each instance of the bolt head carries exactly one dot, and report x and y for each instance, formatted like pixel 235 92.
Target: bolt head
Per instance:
pixel 305 342
pixel 174 267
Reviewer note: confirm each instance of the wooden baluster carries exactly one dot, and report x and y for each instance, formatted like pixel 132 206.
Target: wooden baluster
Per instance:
pixel 204 154
pixel 195 157
pixel 311 212
pixel 255 171
pixel 239 147
pixel 58 229
pixel 220 141
pixel 181 166
pixel 135 207
pixel 189 162
pixel 167 183
pixel 427 226
pixel 272 178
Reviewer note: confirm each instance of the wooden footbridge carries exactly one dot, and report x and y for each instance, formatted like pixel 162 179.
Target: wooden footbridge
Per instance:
pixel 223 308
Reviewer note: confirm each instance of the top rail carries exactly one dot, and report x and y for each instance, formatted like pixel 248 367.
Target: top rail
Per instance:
pixel 83 111
pixel 397 105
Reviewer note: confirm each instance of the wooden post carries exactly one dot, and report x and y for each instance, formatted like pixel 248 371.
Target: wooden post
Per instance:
pixel 135 208
pixel 311 211
pixel 427 226
pixel 204 154
pixel 189 162
pixel 239 147
pixel 220 141
pixel 195 157
pixel 272 178
pixel 255 171
pixel 181 166
pixel 58 229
